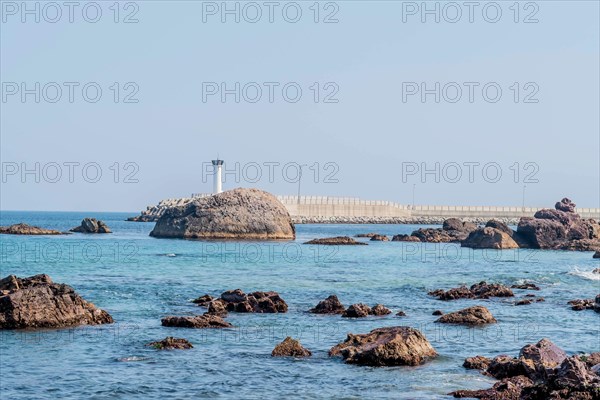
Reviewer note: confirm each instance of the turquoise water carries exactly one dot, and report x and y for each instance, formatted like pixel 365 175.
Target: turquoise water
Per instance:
pixel 139 280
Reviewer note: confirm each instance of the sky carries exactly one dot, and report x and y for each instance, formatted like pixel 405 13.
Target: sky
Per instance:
pixel 110 108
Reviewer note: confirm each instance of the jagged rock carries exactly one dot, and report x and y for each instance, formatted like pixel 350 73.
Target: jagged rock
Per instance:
pixel 91 225
pixel 339 240
pixel 290 348
pixel 397 345
pixel 217 307
pixel 204 300
pixel 477 362
pixel 481 290
pixel 477 315
pixel 405 238
pixel 590 359
pixel 357 311
pixel 171 343
pixel 436 235
pixel 506 389
pixel 501 226
pixel 379 238
pixel 197 321
pixel 234 214
pixel 526 286
pixel 330 305
pixel 37 302
pixel 489 238
pixel 380 309
pixel 583 304
pixel 256 302
pixel 24 229
pixel 455 224
pixel 565 205
pixel 366 235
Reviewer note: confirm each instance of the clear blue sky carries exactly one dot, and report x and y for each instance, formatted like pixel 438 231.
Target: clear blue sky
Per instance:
pixel 368 134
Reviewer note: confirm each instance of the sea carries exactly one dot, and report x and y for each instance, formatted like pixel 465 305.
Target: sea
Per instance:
pixel 139 280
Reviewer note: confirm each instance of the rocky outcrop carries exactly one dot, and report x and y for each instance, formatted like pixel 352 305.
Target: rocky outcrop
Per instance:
pixel 542 371
pixel 37 302
pixel 24 229
pixel 453 231
pixel 586 304
pixel 481 290
pixel 489 238
pixel 171 343
pixel 330 305
pixel 596 254
pixel 336 241
pixel 405 238
pixel 234 214
pixel 290 348
pixel 256 302
pixel 379 238
pixel 196 321
pixel 91 225
pixel 153 213
pixel 203 300
pixel 478 362
pixel 561 228
pixel 361 310
pixel 397 345
pixel 477 315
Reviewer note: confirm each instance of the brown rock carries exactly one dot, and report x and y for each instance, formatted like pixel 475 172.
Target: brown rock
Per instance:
pixel 203 301
pixel 477 362
pixel 437 312
pixel 217 307
pixel 197 321
pixel 405 238
pixel 330 305
pixel 506 389
pixel 582 304
pixel 481 290
pixel 24 229
pixel 171 343
pixel 477 315
pixel 233 214
pixel 91 225
pixel 379 238
pixel 380 309
pixel 37 302
pixel 290 348
pixel 339 240
pixel 357 311
pixel 526 286
pixel 256 302
pixel 401 314
pixel 397 345
pixel 501 226
pixel 366 235
pixel 489 238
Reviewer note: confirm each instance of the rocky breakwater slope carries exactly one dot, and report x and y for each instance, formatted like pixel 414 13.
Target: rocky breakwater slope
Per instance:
pixel 234 214
pixel 37 302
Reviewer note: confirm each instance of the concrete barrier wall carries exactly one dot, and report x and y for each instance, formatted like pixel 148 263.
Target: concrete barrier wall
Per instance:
pixel 325 206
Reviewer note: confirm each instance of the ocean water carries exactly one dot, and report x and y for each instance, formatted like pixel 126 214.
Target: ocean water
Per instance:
pixel 139 280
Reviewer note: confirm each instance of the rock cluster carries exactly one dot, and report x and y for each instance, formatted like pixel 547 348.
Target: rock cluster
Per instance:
pixel 290 348
pixel 238 301
pixel 24 229
pixel 91 225
pixel 481 290
pixel 336 241
pixel 361 310
pixel 197 321
pixel 234 214
pixel 477 315
pixel 171 343
pixel 542 371
pixel 586 304
pixel 37 302
pixel 396 345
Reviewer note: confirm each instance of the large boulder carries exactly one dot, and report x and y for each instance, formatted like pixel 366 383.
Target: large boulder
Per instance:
pixel 489 238
pixel 560 228
pixel 290 348
pixel 91 225
pixel 234 214
pixel 24 229
pixel 330 305
pixel 37 302
pixel 255 302
pixel 396 345
pixel 477 315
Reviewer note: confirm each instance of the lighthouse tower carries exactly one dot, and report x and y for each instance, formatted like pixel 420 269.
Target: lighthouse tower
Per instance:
pixel 217 166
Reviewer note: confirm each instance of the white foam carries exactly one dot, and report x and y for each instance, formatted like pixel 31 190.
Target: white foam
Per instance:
pixel 132 358
pixel 171 255
pixel 593 276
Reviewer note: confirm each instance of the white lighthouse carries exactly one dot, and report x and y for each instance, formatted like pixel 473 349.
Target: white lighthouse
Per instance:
pixel 217 166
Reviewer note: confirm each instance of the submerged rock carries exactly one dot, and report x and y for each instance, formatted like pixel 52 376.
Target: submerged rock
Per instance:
pixel 380 309
pixel 437 312
pixel 234 214
pixel 397 345
pixel 583 304
pixel 405 238
pixel 526 286
pixel 91 225
pixel 330 305
pixel 506 389
pixel 24 229
pixel 171 343
pixel 477 315
pixel 366 235
pixel 379 238
pixel 197 321
pixel 358 310
pixel 290 348
pixel 596 254
pixel 338 240
pixel 481 290
pixel 37 302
